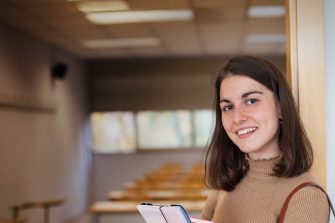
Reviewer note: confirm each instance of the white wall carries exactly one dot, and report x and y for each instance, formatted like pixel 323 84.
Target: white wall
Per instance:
pixel 329 11
pixel 42 152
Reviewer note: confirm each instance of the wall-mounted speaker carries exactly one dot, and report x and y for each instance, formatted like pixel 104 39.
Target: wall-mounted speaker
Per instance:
pixel 59 70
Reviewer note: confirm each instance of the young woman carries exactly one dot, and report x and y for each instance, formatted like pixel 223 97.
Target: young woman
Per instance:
pixel 259 151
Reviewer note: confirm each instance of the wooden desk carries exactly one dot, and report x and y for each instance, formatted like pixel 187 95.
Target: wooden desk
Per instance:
pixel 13 221
pixel 46 205
pixel 158 195
pixel 165 186
pixel 99 208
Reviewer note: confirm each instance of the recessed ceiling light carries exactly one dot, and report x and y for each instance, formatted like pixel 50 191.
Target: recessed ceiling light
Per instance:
pixel 117 43
pixel 140 16
pixel 102 6
pixel 265 39
pixel 266 11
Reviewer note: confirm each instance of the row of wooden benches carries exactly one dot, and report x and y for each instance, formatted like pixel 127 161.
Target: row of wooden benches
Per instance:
pixel 169 184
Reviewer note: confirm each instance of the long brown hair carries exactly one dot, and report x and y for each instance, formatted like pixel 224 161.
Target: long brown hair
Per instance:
pixel 225 163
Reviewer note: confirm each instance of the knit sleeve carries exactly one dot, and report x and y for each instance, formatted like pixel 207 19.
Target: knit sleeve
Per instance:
pixel 208 211
pixel 309 205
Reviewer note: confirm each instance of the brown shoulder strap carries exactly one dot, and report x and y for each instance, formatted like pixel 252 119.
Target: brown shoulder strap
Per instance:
pixel 288 198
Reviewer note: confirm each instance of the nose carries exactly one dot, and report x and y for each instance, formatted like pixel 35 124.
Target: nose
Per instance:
pixel 239 115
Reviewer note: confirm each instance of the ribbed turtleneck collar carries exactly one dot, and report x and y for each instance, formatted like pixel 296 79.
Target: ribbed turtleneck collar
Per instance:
pixel 262 169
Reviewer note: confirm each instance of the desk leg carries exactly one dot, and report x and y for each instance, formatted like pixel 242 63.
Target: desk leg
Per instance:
pixel 46 214
pixel 96 218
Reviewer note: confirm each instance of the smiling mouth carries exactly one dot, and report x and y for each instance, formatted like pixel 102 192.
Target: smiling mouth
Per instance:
pixel 245 131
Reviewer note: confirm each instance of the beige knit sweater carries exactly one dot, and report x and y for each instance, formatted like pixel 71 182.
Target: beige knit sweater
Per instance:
pixel 259 197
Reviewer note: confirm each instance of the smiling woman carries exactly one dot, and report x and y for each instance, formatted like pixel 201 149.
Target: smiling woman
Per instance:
pixel 259 151
pixel 250 115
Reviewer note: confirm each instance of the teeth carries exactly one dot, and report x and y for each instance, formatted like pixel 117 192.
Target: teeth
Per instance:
pixel 245 131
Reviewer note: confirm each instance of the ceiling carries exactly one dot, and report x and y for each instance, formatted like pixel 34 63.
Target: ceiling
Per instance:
pixel 219 27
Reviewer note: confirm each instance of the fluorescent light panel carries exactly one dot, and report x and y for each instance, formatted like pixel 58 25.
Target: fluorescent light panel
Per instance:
pixel 265 39
pixel 117 43
pixel 266 11
pixel 140 16
pixel 102 6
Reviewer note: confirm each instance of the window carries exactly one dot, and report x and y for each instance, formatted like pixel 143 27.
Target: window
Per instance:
pixel 203 122
pixel 113 132
pixel 165 129
pixel 126 132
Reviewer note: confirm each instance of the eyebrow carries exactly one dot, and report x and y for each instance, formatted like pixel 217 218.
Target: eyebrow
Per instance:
pixel 243 96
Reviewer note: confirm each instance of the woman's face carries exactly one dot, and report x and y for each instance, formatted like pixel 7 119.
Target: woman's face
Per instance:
pixel 250 116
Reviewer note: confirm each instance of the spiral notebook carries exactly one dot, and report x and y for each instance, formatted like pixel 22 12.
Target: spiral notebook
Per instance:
pixel 166 214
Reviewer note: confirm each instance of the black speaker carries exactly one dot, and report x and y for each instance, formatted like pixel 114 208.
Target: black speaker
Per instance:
pixel 58 70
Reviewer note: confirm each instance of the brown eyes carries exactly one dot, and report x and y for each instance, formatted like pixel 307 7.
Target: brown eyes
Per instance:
pixel 248 101
pixel 251 101
pixel 227 108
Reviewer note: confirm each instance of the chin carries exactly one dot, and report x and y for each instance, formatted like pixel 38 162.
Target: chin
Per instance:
pixel 248 149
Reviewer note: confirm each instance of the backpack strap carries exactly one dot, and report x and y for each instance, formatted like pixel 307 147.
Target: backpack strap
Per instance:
pixel 288 198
